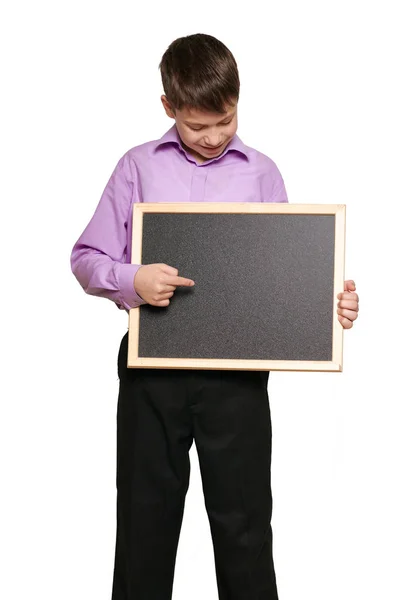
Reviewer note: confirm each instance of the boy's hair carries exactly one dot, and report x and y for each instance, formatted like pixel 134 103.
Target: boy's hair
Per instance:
pixel 198 71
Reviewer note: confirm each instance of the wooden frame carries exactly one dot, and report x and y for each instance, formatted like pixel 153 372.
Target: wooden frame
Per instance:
pixel 335 365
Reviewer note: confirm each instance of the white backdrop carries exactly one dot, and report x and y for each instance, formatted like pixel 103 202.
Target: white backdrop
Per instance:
pixel 322 94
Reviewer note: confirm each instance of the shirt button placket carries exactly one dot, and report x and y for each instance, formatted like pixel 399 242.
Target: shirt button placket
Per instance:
pixel 197 190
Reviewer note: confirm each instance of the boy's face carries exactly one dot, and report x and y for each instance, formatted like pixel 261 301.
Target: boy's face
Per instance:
pixel 204 135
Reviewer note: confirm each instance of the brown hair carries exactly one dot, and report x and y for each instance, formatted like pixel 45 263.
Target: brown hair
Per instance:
pixel 198 71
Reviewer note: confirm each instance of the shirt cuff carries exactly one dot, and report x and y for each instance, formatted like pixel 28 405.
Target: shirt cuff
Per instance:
pixel 129 297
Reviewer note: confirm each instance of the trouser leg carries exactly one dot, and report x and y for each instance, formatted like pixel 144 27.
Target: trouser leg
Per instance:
pixel 154 436
pixel 232 429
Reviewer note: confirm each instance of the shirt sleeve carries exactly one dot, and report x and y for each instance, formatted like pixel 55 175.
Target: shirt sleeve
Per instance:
pixel 99 257
pixel 273 185
pixel 280 195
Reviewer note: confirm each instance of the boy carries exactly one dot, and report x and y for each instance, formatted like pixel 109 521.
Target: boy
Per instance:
pixel 161 411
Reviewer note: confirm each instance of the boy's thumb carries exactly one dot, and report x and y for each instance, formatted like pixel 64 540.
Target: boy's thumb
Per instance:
pixel 170 270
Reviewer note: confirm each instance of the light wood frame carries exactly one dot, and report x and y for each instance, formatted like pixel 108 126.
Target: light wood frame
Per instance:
pixel 335 365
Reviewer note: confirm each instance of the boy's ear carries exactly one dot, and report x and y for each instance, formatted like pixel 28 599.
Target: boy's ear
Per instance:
pixel 167 107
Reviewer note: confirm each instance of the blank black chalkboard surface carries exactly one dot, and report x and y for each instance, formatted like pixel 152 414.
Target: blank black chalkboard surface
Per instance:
pixel 266 279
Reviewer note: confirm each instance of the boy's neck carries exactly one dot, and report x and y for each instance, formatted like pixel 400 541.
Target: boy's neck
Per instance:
pixel 200 159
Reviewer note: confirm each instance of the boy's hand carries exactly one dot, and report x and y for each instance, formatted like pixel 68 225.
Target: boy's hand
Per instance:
pixel 157 282
pixel 348 305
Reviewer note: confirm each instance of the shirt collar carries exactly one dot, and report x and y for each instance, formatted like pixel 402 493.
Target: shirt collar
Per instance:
pixel 172 137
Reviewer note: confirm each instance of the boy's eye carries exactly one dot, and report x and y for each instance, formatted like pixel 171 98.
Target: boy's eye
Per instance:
pixel 199 128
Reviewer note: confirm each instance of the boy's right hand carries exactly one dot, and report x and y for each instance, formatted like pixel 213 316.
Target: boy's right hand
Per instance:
pixel 156 283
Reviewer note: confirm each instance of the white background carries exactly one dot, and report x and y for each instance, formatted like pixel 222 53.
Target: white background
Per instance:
pixel 321 93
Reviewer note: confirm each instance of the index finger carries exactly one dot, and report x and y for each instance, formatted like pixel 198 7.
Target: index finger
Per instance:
pixel 348 296
pixel 177 280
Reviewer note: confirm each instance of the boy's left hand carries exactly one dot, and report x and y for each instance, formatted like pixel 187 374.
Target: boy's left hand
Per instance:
pixel 348 305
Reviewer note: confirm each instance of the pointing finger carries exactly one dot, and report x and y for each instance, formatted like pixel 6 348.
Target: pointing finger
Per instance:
pixel 179 281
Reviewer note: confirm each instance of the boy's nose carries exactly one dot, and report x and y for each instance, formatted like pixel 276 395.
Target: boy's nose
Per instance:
pixel 212 142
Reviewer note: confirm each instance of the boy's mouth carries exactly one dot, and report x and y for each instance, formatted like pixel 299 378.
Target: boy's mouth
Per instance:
pixel 212 149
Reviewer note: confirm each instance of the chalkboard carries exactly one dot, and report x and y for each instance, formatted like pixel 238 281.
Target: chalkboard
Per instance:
pixel 266 279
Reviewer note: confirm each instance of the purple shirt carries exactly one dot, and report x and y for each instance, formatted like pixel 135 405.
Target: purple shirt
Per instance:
pixel 162 171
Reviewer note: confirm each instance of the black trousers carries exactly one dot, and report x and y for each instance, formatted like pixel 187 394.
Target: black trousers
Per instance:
pixel 159 414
